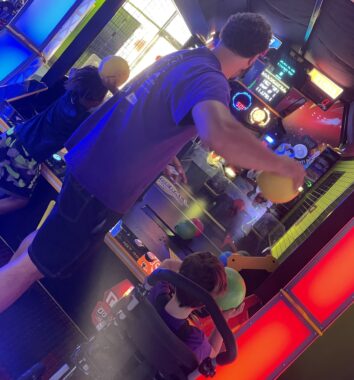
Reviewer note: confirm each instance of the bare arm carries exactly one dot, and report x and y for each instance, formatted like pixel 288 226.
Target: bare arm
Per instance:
pixel 171 264
pixel 229 138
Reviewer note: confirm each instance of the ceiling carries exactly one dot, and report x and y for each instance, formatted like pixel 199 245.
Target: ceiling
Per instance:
pixel 331 44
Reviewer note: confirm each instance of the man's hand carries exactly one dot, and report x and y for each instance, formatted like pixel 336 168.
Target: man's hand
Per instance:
pixel 110 84
pixel 290 168
pixel 171 264
pixel 218 128
pixel 228 314
pixel 175 172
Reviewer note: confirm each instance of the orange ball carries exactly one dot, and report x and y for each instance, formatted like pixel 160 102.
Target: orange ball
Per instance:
pixel 276 188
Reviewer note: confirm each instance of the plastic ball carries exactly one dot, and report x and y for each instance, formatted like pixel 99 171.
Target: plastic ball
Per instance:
pixel 276 188
pixel 224 257
pixel 235 292
pixel 186 229
pixel 114 70
pixel 199 227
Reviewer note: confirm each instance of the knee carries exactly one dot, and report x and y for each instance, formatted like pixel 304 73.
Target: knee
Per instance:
pixel 27 268
pixel 21 202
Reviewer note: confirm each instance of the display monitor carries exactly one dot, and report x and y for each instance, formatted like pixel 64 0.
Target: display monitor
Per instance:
pixel 13 54
pixel 38 19
pixel 322 126
pixel 269 88
pixel 274 84
pixel 24 89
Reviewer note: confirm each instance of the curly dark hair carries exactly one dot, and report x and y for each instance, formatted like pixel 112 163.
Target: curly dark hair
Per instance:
pixel 86 83
pixel 246 34
pixel 207 271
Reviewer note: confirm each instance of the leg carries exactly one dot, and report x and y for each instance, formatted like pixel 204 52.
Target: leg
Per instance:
pixel 73 227
pixel 75 224
pixel 12 203
pixel 26 242
pixel 16 277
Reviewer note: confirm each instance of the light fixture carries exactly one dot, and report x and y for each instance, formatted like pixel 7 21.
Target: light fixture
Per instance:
pixel 269 139
pixel 56 157
pixel 274 43
pixel 230 172
pixel 259 116
pixel 214 159
pixel 241 101
pixel 325 84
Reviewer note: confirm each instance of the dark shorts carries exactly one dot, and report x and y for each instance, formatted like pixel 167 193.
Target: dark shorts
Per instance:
pixel 73 230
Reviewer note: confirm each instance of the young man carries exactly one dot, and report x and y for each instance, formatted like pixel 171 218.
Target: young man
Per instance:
pixel 120 149
pixel 24 147
pixel 175 306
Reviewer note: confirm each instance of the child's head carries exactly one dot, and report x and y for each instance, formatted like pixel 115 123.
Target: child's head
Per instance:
pixel 86 84
pixel 207 271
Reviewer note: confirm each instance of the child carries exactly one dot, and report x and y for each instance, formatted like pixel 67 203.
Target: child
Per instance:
pixel 174 307
pixel 24 147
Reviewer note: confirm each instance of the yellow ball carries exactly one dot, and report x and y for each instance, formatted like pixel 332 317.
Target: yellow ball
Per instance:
pixel 114 70
pixel 276 188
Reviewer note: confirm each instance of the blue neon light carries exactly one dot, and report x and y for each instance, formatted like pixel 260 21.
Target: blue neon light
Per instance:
pixel 274 43
pixel 56 157
pixel 269 139
pixel 40 18
pixel 117 228
pixel 12 53
pixel 241 101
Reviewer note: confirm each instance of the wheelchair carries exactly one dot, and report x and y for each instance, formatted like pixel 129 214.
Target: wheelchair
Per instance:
pixel 138 345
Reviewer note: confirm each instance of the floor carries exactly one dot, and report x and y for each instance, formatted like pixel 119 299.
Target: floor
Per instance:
pixel 34 330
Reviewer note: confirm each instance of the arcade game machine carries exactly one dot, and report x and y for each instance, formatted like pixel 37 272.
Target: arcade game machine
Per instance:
pixel 224 204
pixel 222 210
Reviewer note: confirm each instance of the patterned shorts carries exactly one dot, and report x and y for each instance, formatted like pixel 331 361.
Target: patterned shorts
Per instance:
pixel 18 170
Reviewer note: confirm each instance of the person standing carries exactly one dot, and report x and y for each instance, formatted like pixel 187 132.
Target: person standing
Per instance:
pixel 23 148
pixel 121 148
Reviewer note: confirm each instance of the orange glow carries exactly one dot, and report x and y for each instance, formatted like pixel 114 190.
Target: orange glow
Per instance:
pixel 330 283
pixel 123 288
pixel 214 159
pixel 259 116
pixel 267 344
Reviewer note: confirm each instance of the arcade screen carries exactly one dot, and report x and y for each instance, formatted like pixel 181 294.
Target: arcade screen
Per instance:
pixel 284 80
pixel 322 126
pixel 273 84
pixel 294 70
pixel 269 88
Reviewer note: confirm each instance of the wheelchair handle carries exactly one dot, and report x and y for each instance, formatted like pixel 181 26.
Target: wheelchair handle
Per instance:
pixel 183 283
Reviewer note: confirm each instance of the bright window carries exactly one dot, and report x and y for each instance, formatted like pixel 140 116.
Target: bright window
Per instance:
pixel 162 30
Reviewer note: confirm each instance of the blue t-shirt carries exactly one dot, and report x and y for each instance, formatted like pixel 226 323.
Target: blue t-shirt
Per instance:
pixel 46 133
pixel 121 148
pixel 194 338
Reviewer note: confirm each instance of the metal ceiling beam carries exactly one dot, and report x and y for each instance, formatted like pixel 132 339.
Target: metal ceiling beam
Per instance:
pixel 313 19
